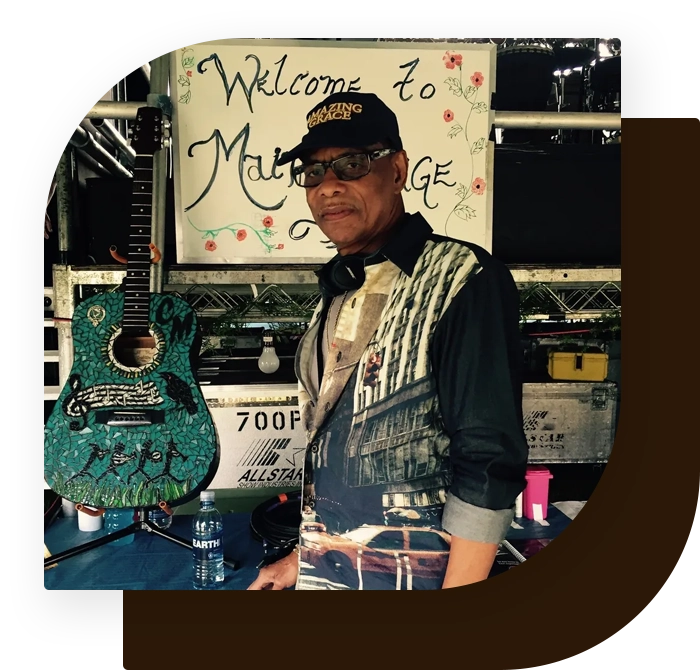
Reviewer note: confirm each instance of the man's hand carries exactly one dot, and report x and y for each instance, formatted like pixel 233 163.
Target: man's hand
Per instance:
pixel 278 575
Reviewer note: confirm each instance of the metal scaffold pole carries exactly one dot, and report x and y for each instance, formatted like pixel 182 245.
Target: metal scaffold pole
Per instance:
pixel 158 97
pixel 65 175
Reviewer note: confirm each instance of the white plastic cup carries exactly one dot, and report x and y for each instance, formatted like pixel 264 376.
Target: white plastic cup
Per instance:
pixel 68 508
pixel 89 523
pixel 519 506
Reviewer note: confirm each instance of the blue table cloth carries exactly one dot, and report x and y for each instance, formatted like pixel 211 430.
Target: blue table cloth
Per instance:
pixel 149 562
pixel 152 563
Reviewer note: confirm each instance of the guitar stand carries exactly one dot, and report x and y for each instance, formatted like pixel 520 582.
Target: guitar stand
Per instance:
pixel 142 524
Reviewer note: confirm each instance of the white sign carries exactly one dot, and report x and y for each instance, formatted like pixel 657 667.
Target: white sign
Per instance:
pixel 262 442
pixel 239 103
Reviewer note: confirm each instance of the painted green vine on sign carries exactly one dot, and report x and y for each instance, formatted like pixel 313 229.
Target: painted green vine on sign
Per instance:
pixel 470 95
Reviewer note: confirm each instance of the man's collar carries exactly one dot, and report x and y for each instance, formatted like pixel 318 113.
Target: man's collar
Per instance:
pixel 407 241
pixel 404 246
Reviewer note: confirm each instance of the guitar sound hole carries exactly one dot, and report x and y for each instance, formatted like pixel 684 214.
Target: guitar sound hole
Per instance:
pixel 134 351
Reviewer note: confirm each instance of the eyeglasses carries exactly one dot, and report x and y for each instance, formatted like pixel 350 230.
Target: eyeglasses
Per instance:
pixel 346 168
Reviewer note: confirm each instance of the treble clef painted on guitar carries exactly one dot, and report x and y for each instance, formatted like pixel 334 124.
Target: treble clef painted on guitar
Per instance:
pixel 131 427
pixel 74 405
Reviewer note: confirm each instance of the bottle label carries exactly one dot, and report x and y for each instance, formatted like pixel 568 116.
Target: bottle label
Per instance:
pixel 209 548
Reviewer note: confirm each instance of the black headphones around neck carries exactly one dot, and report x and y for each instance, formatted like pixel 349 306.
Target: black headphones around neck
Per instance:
pixel 345 273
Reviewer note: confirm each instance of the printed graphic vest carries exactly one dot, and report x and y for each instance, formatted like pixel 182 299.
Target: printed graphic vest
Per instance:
pixel 377 467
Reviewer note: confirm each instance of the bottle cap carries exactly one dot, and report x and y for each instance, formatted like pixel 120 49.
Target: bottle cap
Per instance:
pixel 206 496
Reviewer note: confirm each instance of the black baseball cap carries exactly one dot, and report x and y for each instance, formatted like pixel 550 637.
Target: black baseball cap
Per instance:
pixel 347 120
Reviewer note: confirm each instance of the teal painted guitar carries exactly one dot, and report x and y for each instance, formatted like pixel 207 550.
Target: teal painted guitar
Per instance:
pixel 131 427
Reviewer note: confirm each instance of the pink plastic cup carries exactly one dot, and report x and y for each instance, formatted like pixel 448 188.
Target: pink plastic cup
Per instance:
pixel 536 494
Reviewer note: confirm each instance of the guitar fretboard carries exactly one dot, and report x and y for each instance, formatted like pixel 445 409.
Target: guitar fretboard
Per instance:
pixel 137 292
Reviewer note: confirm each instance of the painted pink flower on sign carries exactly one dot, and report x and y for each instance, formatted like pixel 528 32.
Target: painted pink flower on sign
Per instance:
pixel 478 186
pixel 280 246
pixel 452 60
pixel 268 222
pixel 477 79
pixel 210 245
pixel 241 235
pixel 448 115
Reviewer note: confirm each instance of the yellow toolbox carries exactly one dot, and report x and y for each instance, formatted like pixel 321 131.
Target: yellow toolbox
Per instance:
pixel 578 366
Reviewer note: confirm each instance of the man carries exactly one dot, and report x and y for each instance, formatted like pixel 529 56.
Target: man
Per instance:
pixel 409 374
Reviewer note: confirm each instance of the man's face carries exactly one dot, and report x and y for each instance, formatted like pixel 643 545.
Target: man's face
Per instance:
pixel 356 215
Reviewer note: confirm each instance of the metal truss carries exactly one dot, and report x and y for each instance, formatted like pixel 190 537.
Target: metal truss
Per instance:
pixel 290 295
pixel 541 301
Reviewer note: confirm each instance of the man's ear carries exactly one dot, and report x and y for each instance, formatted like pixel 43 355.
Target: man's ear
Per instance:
pixel 400 163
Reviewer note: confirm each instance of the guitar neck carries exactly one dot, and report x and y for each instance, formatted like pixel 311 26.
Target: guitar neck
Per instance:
pixel 137 285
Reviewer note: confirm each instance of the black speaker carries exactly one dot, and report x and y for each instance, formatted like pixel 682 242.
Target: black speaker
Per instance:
pixel 557 204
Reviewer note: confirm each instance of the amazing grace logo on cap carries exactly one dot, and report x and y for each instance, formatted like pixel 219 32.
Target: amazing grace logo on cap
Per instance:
pixel 338 111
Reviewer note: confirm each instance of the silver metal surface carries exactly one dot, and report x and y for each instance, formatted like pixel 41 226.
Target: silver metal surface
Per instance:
pixel 106 109
pixel 119 96
pixel 160 69
pixel 118 140
pixel 82 139
pixel 265 276
pixel 566 276
pixel 64 200
pixel 64 304
pixel 570 422
pixel 296 276
pixel 570 315
pixel 503 119
pixel 100 138
pixel 559 120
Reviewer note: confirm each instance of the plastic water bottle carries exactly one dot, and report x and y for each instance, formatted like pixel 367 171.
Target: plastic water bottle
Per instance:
pixel 207 544
pixel 161 518
pixel 116 519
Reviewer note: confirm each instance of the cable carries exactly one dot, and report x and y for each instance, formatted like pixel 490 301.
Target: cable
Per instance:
pixel 275 523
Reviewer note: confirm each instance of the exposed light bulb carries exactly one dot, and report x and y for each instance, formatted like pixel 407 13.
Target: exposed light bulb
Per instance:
pixel 268 361
pixel 604 50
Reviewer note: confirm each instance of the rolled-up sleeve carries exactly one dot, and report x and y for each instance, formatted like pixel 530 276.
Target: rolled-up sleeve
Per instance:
pixel 477 362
